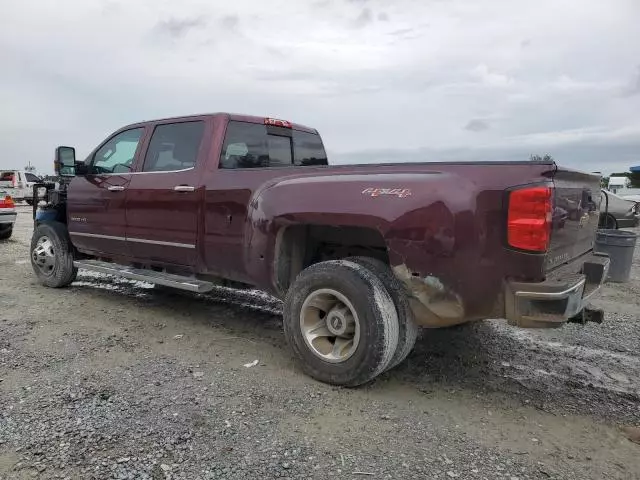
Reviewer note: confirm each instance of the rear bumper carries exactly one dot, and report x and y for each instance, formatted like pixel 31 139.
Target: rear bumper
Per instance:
pixel 7 217
pixel 552 302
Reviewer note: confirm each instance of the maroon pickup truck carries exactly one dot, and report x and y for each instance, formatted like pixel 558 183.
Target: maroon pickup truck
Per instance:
pixel 362 255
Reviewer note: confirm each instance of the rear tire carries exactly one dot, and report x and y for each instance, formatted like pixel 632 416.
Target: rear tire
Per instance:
pixel 52 255
pixel 341 323
pixel 407 328
pixel 6 232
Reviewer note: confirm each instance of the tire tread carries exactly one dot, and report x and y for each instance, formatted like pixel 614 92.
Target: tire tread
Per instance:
pixel 407 328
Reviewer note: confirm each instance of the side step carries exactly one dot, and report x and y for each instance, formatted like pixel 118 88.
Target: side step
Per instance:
pixel 160 278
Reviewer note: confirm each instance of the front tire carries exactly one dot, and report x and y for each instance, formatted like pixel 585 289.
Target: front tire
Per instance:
pixel 52 255
pixel 341 323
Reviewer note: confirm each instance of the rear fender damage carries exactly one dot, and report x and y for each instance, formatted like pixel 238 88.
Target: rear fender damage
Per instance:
pixel 433 305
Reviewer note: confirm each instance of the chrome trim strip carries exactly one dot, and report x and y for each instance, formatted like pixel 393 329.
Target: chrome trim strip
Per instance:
pixel 138 173
pixel 97 235
pixel 553 295
pixel 158 242
pixel 137 240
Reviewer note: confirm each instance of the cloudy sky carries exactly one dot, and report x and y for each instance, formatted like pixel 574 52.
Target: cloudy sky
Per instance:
pixel 383 81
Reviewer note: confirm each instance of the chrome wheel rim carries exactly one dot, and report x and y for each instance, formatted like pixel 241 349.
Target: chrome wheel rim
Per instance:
pixel 330 325
pixel 44 256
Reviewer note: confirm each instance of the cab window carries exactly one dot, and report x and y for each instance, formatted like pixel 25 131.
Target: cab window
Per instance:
pixel 174 146
pixel 117 155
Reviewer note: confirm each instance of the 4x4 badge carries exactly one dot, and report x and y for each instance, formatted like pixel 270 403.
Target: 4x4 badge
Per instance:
pixel 398 192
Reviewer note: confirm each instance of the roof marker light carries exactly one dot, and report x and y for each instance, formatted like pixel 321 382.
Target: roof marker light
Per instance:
pixel 274 122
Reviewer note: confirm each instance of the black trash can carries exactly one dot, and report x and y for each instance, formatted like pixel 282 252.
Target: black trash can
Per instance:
pixel 619 245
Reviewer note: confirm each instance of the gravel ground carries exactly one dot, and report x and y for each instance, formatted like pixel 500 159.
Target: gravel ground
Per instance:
pixel 116 379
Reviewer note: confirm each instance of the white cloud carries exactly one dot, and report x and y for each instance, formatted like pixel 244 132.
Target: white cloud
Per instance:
pixel 566 84
pixel 370 75
pixel 491 78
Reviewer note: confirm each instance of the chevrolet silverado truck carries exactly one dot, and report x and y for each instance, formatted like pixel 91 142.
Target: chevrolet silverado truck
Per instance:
pixel 362 255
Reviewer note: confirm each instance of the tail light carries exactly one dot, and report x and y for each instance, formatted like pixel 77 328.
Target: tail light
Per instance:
pixel 7 202
pixel 529 218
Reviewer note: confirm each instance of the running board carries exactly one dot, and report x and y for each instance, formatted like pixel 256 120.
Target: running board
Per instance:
pixel 159 278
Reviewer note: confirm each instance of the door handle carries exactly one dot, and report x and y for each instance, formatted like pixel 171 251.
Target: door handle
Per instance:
pixel 184 188
pixel 115 188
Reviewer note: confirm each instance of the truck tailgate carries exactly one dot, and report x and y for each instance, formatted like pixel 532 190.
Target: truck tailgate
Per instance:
pixel 575 215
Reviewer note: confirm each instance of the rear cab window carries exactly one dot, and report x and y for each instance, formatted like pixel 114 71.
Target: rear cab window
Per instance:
pixel 7 176
pixel 252 145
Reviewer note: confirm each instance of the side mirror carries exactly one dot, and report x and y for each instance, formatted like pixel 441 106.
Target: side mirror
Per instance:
pixel 65 162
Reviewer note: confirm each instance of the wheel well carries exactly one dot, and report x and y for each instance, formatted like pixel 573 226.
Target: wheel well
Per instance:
pixel 299 246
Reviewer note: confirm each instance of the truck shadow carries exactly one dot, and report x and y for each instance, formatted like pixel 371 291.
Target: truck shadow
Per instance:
pixel 243 312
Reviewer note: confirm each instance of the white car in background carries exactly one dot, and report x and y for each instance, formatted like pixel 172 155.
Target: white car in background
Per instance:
pixel 8 215
pixel 19 184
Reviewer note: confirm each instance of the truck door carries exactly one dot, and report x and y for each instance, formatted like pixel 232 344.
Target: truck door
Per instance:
pixel 96 201
pixel 164 196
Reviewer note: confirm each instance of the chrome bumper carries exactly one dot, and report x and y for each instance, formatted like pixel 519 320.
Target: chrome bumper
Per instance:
pixel 552 302
pixel 8 217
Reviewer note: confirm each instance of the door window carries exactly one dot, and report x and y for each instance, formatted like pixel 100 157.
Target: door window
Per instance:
pixel 174 146
pixel 116 156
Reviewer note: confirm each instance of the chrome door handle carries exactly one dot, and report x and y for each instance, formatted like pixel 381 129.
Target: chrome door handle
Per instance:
pixel 115 188
pixel 184 188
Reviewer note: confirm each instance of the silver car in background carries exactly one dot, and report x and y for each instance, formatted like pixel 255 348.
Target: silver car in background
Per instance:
pixel 618 212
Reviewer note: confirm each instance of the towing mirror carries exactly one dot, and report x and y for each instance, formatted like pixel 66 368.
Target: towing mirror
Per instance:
pixel 65 163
